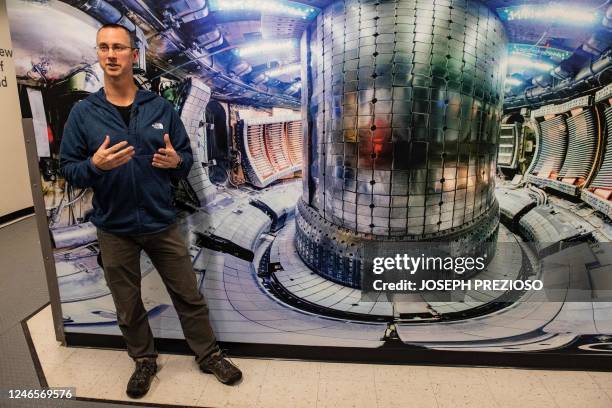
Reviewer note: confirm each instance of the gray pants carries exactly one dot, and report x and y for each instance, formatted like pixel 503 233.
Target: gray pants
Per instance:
pixel 170 256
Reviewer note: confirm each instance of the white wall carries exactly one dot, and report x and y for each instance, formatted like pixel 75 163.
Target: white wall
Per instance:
pixel 15 193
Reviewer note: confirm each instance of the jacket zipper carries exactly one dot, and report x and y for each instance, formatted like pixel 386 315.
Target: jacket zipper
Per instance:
pixel 134 135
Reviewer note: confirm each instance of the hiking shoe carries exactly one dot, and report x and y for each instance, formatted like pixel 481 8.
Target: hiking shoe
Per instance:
pixel 222 368
pixel 140 381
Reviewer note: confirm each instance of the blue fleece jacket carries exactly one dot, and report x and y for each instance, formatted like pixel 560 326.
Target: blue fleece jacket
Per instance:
pixel 134 198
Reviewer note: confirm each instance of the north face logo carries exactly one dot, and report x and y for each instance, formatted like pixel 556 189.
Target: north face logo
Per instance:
pixel 158 126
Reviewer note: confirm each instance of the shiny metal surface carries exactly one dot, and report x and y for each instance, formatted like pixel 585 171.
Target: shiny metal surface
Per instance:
pixel 554 147
pixel 603 179
pixel 271 148
pixel 406 105
pixel 196 99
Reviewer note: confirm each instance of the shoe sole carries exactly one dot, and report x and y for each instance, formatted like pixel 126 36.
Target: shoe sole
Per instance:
pixel 137 396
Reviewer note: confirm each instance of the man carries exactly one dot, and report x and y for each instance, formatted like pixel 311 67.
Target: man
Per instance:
pixel 128 144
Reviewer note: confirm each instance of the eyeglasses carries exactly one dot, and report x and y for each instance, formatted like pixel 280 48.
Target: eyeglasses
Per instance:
pixel 117 48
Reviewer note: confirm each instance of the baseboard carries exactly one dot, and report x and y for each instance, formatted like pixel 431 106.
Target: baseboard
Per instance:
pixel 571 358
pixel 16 215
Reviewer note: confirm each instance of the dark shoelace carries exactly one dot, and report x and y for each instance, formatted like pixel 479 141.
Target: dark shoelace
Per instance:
pixel 143 371
pixel 223 361
pixel 224 355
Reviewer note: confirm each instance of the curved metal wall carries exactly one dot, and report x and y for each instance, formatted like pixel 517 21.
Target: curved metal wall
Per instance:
pixel 405 98
pixel 603 179
pixel 406 101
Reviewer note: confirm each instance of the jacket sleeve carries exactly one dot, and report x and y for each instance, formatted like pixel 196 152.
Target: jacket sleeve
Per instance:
pixel 75 163
pixel 182 145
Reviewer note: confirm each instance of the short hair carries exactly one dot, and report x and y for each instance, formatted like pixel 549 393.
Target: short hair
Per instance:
pixel 131 34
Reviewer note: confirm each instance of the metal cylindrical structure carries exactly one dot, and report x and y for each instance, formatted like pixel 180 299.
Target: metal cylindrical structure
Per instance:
pixel 404 101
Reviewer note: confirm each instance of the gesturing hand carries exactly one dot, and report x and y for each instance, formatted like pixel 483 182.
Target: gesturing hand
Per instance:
pixel 106 158
pixel 167 158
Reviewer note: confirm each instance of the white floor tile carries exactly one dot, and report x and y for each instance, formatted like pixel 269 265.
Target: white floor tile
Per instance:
pixel 346 394
pixel 574 397
pixel 391 394
pixel 103 374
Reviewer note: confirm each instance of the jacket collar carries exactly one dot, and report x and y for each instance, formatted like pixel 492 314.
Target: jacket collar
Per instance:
pixel 142 96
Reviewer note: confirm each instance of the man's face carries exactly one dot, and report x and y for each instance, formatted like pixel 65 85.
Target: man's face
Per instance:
pixel 115 53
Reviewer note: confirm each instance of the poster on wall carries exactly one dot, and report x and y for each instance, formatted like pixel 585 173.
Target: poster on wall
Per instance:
pixel 19 201
pixel 397 178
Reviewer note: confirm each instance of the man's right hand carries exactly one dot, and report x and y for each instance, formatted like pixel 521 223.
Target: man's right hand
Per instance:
pixel 107 158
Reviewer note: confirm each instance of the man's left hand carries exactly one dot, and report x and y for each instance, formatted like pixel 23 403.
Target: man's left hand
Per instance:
pixel 167 158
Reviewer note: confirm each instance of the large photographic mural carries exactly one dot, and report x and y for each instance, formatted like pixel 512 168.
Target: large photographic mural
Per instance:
pixel 382 127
